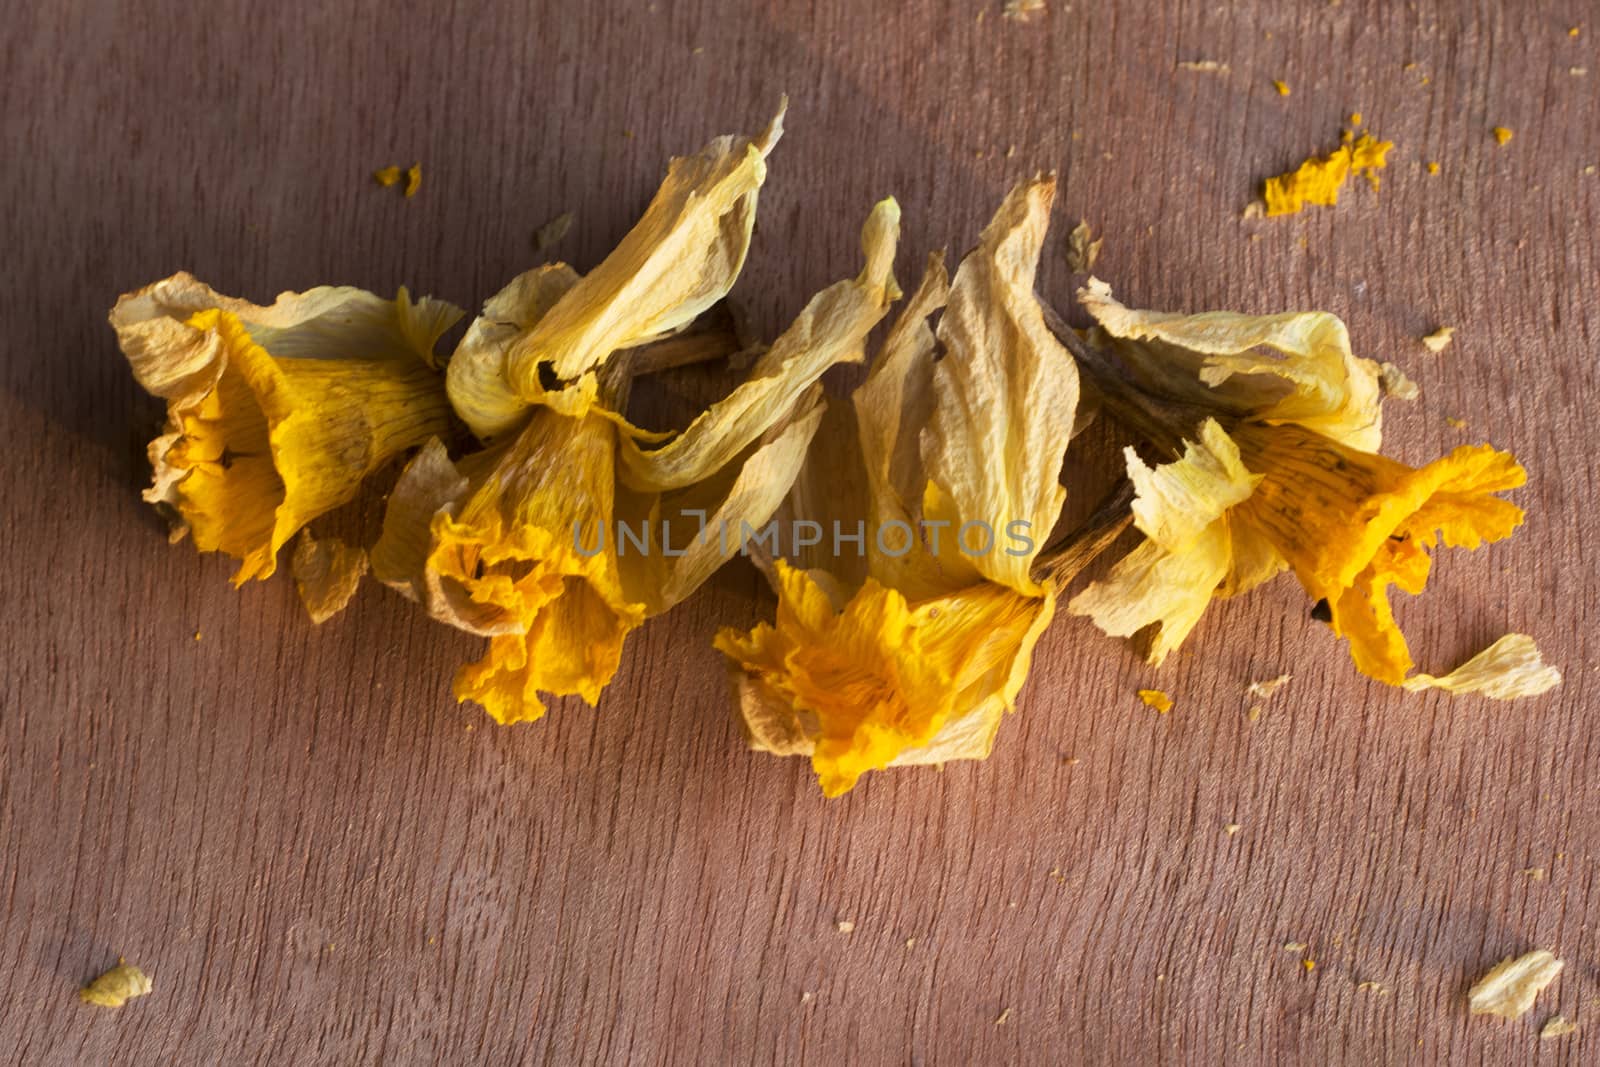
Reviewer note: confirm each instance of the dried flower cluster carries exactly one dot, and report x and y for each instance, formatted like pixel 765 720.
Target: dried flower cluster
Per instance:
pixel 907 648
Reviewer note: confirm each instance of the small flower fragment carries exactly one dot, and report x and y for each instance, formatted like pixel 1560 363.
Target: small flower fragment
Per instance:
pixel 1503 135
pixel 1509 989
pixel 387 176
pixel 1439 339
pixel 276 414
pixel 1512 667
pixel 1555 1027
pixel 915 657
pixel 327 572
pixel 1395 383
pixel 1281 86
pixel 413 179
pixel 1024 10
pixel 1319 179
pixel 1263 690
pixel 116 987
pixel 1083 248
pixel 1272 426
pixel 552 231
pixel 1156 699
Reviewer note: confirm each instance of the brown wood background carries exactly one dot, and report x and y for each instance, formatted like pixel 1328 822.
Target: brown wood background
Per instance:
pixel 321 859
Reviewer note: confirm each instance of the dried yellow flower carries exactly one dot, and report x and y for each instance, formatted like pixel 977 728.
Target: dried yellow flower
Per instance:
pixel 1281 473
pixel 116 987
pixel 276 414
pixel 1509 989
pixel 913 654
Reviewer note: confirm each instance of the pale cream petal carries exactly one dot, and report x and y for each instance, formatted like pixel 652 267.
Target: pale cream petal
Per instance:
pixel 680 258
pixel 702 524
pixel 1510 988
pixel 1510 668
pixel 1294 367
pixel 832 329
pixel 476 376
pixel 1006 396
pixel 327 572
pixel 1153 586
pixel 1176 503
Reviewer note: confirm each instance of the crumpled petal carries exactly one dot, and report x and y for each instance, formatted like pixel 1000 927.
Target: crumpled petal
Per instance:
pixel 1295 367
pixel 832 329
pixel 879 681
pixel 682 256
pixel 1510 668
pixel 1005 397
pixel 1182 509
pixel 327 572
pixel 276 414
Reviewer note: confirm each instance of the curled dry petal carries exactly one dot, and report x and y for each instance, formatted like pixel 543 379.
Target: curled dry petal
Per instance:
pixel 327 572
pixel 1510 668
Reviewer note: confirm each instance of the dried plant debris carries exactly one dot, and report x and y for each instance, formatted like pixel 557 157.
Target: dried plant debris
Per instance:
pixel 387 176
pixel 1439 339
pixel 1372 987
pixel 1556 1026
pixel 1319 179
pixel 1083 248
pixel 1155 698
pixel 553 231
pixel 1264 690
pixel 846 926
pixel 1510 988
pixel 1281 86
pixel 327 572
pixel 1510 668
pixel 1024 10
pixel 1204 66
pixel 116 987
pixel 413 179
pixel 1394 383
pixel 1503 134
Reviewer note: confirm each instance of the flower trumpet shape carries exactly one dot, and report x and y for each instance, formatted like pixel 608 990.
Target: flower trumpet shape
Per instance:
pixel 520 542
pixel 1273 425
pixel 276 414
pixel 912 650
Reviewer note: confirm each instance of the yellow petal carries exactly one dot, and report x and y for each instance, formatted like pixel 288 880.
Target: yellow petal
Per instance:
pixel 832 329
pixel 116 987
pixel 327 572
pixel 681 257
pixel 1182 508
pixel 1351 524
pixel 882 682
pixel 1006 393
pixel 276 414
pixel 1510 668
pixel 1295 367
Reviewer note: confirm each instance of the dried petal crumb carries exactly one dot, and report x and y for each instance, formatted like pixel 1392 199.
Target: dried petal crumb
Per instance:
pixel 1394 383
pixel 1265 689
pixel 553 231
pixel 1231 829
pixel 116 987
pixel 1503 134
pixel 1439 339
pixel 1155 698
pixel 386 176
pixel 1556 1026
pixel 1281 86
pixel 1433 168
pixel 1508 990
pixel 846 926
pixel 1003 1016
pixel 1082 248
pixel 1204 66
pixel 1372 987
pixel 1294 946
pixel 1024 10
pixel 413 179
pixel 1535 874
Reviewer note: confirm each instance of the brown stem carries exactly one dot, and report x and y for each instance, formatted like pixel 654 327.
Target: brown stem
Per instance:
pixel 1066 559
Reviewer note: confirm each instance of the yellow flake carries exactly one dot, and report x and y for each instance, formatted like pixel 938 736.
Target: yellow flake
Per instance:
pixel 1439 339
pixel 1319 179
pixel 1396 384
pixel 1512 667
pixel 1155 698
pixel 387 176
pixel 846 926
pixel 1202 66
pixel 1281 86
pixel 116 987
pixel 1433 168
pixel 1023 10
pixel 1231 828
pixel 1355 118
pixel 1502 134
pixel 1556 1026
pixel 1509 989
pixel 413 179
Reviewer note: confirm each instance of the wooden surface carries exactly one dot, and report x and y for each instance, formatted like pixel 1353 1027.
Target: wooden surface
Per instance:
pixel 321 859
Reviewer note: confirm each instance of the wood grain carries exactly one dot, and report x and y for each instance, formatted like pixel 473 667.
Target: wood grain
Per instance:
pixel 321 859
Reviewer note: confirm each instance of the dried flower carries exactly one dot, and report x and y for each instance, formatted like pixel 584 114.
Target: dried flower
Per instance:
pixel 914 657
pixel 1272 423
pixel 276 414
